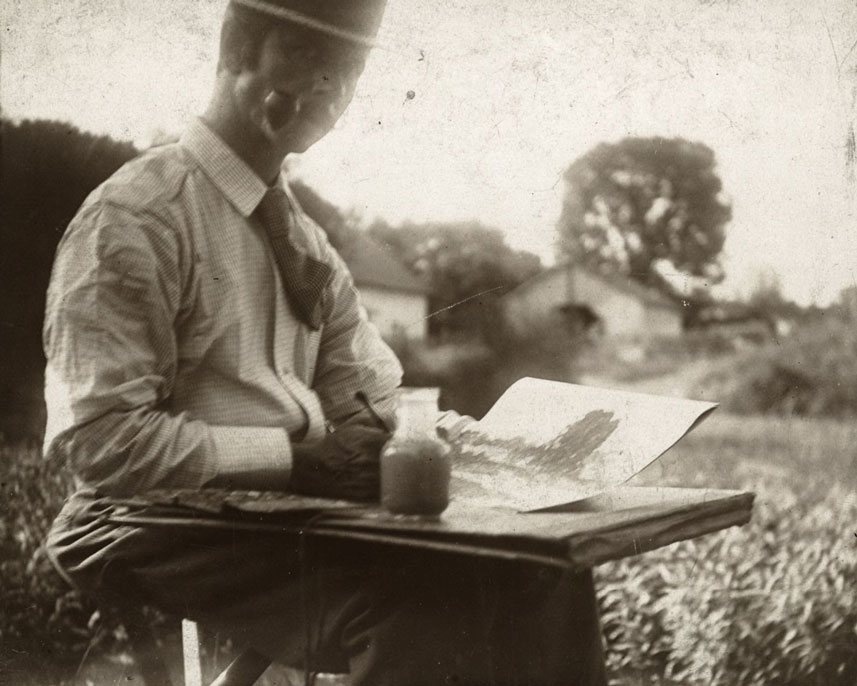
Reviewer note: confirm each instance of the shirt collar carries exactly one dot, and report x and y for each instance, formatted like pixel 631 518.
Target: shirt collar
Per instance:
pixel 240 184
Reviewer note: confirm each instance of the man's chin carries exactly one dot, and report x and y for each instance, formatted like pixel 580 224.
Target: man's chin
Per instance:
pixel 309 133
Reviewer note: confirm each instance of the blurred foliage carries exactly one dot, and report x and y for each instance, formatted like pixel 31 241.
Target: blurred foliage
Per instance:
pixel 773 602
pixel 338 225
pixel 810 372
pixel 41 615
pixel 46 626
pixel 766 294
pixel 692 345
pixel 473 373
pixel 46 171
pixel 648 208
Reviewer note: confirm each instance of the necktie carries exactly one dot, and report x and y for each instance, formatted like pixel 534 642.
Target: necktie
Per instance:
pixel 304 277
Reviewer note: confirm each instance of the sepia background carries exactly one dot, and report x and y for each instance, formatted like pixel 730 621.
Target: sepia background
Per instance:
pixel 657 196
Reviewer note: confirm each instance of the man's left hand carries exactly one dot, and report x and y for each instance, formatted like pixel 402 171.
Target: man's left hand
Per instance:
pixel 344 464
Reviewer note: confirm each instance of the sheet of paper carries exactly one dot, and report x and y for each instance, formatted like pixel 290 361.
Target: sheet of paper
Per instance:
pixel 546 443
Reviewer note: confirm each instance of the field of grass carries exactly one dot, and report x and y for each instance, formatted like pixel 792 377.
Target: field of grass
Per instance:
pixel 773 602
pixel 807 456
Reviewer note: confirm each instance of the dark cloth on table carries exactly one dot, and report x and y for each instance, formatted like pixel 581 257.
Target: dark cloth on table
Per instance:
pixel 387 616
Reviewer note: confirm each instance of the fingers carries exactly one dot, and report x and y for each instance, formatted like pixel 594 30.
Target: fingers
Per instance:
pixel 354 440
pixel 337 471
pixel 345 464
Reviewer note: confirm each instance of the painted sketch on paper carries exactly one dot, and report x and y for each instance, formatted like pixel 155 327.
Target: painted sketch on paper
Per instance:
pixel 547 443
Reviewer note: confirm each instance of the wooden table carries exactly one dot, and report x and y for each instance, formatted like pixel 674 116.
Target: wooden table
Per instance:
pixel 624 522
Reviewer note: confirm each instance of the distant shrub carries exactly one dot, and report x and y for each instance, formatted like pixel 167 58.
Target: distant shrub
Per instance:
pixel 468 374
pixel 473 373
pixel 811 373
pixel 415 358
pixel 694 343
pixel 46 626
pixel 40 614
pixel 48 168
pixel 773 602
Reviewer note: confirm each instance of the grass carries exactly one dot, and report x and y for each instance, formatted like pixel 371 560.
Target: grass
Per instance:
pixel 806 456
pixel 770 603
pixel 801 471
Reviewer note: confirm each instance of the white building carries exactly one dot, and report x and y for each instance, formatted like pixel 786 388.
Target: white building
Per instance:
pixel 615 306
pixel 395 300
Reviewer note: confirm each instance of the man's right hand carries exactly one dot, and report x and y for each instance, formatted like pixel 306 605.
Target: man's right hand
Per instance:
pixel 345 464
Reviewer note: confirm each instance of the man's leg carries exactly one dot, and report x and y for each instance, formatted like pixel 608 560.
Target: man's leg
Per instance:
pixel 252 587
pixel 391 617
pixel 455 620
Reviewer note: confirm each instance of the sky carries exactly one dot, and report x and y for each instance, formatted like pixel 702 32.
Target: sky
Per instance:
pixel 505 94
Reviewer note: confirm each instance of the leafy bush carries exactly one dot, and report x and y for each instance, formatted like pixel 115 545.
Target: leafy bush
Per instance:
pixel 48 168
pixel 773 602
pixel 467 373
pixel 694 343
pixel 41 616
pixel 415 358
pixel 46 626
pixel 473 372
pixel 811 373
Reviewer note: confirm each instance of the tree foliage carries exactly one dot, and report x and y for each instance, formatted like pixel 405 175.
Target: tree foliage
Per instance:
pixel 467 265
pixel 650 208
pixel 811 372
pixel 338 225
pixel 47 170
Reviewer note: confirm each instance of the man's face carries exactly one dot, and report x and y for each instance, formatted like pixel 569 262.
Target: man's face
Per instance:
pixel 300 86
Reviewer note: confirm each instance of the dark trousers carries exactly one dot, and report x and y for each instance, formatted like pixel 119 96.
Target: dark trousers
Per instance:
pixel 387 616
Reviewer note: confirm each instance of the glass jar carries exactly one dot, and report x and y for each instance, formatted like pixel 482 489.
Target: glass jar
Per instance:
pixel 415 475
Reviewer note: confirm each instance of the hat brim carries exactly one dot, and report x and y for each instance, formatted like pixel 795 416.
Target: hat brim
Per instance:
pixel 308 21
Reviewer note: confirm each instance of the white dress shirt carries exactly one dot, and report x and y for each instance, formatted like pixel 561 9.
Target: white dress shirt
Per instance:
pixel 174 359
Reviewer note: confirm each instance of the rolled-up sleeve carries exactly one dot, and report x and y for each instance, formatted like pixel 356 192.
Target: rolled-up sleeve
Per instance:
pixel 352 355
pixel 113 305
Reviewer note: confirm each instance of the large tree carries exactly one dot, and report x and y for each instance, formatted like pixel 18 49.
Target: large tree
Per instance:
pixel 650 208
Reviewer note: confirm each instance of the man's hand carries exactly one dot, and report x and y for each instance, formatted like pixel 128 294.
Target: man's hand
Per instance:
pixel 344 464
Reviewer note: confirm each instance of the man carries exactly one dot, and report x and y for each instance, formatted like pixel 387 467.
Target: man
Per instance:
pixel 201 332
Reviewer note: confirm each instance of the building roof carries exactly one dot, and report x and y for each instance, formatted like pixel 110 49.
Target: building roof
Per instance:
pixel 646 295
pixel 373 263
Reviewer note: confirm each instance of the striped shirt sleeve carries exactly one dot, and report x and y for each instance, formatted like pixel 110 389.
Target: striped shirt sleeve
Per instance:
pixel 110 343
